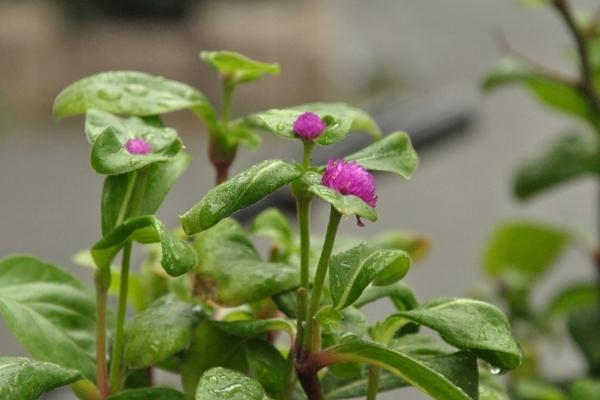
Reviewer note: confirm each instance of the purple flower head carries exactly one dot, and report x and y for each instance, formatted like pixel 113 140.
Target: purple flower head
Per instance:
pixel 309 126
pixel 348 177
pixel 138 146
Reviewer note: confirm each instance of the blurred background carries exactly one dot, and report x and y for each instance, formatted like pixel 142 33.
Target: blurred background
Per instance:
pixel 414 64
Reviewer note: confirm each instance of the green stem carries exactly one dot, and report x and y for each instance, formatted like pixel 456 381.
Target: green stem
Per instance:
pixel 308 149
pixel 303 205
pixel 132 207
pixel 128 193
pixel 373 385
pixel 116 365
pixel 228 89
pixel 322 267
pixel 101 364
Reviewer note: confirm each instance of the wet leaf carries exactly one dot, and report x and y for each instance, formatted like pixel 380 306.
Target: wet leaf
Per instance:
pixel 394 153
pixel 352 271
pixel 25 379
pixel 241 191
pixel 50 312
pixel 237 67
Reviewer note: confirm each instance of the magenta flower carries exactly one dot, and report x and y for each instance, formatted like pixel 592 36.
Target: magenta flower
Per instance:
pixel 309 126
pixel 138 146
pixel 348 177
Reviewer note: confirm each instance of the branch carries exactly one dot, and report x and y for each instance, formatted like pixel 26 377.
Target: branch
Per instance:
pixel 539 68
pixel 586 83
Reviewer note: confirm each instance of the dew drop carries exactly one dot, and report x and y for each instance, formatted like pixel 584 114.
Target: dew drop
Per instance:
pixel 495 370
pixel 109 94
pixel 135 89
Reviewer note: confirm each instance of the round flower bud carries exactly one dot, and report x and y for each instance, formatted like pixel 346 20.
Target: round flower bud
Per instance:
pixel 309 126
pixel 138 146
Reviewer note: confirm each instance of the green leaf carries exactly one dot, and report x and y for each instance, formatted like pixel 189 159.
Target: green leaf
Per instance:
pixel 241 191
pixel 352 271
pixel 160 331
pixel 553 93
pixel 341 119
pixel 572 298
pixel 273 224
pixel 129 93
pixel 454 379
pixel 212 347
pixel 110 157
pixel 152 188
pixel 254 328
pixel 49 312
pixel 25 379
pixel 155 393
pixel 584 325
pixel 238 68
pixel 178 256
pixel 525 249
pixel 586 389
pixel 525 389
pixel 230 271
pixel 224 384
pixel 570 157
pixel 401 296
pixel 394 153
pixel 471 325
pixel 345 204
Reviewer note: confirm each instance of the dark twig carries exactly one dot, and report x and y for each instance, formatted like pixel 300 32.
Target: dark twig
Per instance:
pixel 540 68
pixel 586 83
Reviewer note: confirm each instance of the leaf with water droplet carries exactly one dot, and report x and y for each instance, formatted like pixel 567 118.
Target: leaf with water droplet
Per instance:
pixel 239 192
pixel 128 93
pixel 471 325
pixel 352 271
pixel 223 384
pixel 230 271
pixel 160 331
pixel 341 119
pixel 178 256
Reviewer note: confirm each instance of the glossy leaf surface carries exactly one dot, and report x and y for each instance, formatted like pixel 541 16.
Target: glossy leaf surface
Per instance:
pixel 237 67
pixel 25 379
pixel 151 189
pixel 160 331
pixel 471 325
pixel 231 271
pixel 456 380
pixel 225 384
pixel 348 205
pixel 241 191
pixel 50 313
pixel 340 118
pixel 394 153
pixel 178 256
pixel 127 92
pixel 155 393
pixel 352 271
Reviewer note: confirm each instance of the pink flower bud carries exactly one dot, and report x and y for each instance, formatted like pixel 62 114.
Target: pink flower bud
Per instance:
pixel 138 146
pixel 309 126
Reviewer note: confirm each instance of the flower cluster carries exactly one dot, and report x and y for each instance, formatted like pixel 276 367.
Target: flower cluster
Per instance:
pixel 348 177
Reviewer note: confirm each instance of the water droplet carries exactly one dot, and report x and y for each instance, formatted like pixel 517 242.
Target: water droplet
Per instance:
pixel 109 94
pixel 495 370
pixel 138 90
